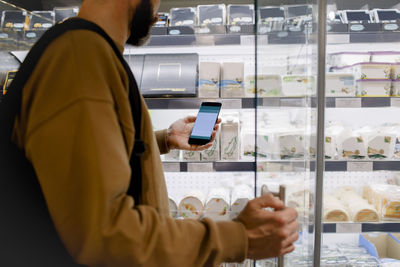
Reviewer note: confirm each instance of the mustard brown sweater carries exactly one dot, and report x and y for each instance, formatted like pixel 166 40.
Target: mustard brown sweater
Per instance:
pixel 77 131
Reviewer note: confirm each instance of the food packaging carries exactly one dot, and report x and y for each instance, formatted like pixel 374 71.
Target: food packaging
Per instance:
pixel 291 145
pixel 296 86
pixel 343 59
pixel 267 85
pixel 209 79
pixel 396 88
pixel 352 145
pixel 386 56
pixel 240 14
pixel 211 14
pixel 232 80
pixel 340 84
pixel 173 155
pixel 230 139
pixel 217 206
pixel 192 205
pixel 185 16
pixel 373 88
pixel 212 153
pixel 241 194
pixel 191 155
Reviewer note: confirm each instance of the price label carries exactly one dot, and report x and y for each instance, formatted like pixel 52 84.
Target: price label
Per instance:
pixel 232 103
pixel 348 228
pixel 172 167
pixel 338 38
pixel 395 102
pixel 360 166
pixel 348 102
pixel 200 167
pixel 247 40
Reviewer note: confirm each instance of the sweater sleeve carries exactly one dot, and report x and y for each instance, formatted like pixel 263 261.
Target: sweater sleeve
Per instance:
pixel 161 137
pixel 79 154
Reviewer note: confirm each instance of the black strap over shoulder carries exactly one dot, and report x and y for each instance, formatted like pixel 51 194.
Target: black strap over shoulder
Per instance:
pixel 27 234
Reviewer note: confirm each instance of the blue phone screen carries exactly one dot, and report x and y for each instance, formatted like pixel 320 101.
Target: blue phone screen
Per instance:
pixel 205 122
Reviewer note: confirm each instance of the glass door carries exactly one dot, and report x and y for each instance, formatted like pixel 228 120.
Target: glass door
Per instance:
pixel 286 119
pixel 361 185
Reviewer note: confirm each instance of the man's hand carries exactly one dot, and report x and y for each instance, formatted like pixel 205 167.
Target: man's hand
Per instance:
pixel 179 132
pixel 270 234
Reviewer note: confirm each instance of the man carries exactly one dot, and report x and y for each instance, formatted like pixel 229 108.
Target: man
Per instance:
pixel 76 128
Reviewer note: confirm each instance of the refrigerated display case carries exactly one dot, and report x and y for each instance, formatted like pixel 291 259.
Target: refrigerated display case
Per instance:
pixel 309 99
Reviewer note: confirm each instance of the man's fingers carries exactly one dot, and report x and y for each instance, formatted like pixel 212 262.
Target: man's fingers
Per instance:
pixel 287 215
pixel 268 201
pixel 290 240
pixel 190 119
pixel 287 250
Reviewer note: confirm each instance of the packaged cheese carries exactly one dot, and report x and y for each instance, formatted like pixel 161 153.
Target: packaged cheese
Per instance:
pixel 192 205
pixel 396 88
pixel 217 206
pixel 267 85
pixel 343 59
pixel 340 84
pixel 352 146
pixel 373 88
pixel 386 56
pixel 295 85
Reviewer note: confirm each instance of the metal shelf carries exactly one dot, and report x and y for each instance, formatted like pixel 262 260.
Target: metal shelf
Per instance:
pixel 249 103
pixel 285 38
pixel 361 227
pixel 281 165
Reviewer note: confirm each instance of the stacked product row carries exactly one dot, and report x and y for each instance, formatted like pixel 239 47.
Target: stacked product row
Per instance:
pixel 365 143
pixel 280 136
pixel 364 74
pixel 228 80
pixel 220 203
pixel 378 202
pixel 18 20
pixel 181 75
pixel 276 18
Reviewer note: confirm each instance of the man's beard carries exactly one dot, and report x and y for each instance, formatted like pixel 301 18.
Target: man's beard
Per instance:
pixel 142 21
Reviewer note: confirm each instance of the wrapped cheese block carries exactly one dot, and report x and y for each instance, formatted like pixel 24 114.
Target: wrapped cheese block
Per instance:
pixel 294 86
pixel 340 84
pixel 385 56
pixel 241 194
pixel 343 59
pixel 332 138
pixel 373 88
pixel 217 206
pixel 364 71
pixel 334 210
pixel 191 206
pixel 352 146
pixel 291 145
pixel 396 87
pixel 267 85
pixel 395 71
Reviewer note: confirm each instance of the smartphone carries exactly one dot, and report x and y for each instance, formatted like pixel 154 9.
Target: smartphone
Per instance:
pixel 205 122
